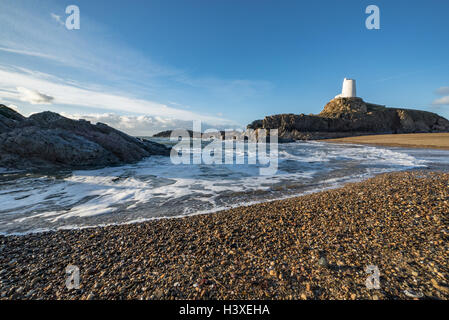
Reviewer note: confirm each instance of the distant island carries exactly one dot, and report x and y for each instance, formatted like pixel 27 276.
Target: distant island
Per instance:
pixel 167 134
pixel 344 116
pixel 341 117
pixel 221 135
pixel 348 115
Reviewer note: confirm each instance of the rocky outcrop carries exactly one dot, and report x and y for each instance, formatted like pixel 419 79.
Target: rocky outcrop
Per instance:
pixel 344 117
pixel 168 133
pixel 210 134
pixel 48 140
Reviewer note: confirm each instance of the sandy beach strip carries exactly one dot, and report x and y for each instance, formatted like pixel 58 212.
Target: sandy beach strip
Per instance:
pixel 316 246
pixel 409 140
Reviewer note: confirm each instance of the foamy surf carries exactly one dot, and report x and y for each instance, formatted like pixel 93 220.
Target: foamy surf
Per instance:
pixel 155 188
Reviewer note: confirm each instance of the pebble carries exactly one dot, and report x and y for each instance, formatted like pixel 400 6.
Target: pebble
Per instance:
pixel 413 294
pixel 323 262
pixel 91 296
pixel 280 249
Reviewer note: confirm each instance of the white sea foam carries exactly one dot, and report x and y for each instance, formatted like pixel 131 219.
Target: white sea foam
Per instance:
pixel 155 188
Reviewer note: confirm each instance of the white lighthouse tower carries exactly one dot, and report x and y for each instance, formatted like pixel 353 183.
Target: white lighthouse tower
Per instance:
pixel 348 90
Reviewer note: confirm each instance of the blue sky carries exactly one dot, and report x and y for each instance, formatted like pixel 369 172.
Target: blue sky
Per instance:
pixel 143 66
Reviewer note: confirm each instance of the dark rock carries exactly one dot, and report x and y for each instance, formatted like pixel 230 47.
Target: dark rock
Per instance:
pixel 256 124
pixel 9 118
pixel 48 140
pixel 344 117
pixel 167 134
pixel 222 135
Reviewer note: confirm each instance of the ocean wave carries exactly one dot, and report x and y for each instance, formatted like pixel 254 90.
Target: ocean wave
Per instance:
pixel 155 188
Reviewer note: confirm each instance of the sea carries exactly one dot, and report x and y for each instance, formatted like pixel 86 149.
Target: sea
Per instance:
pixel 157 188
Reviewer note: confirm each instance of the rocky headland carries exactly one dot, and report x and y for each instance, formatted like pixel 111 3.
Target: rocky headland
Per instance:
pixel 346 117
pixel 48 140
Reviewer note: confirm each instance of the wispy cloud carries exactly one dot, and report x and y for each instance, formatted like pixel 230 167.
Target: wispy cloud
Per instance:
pixel 33 96
pixel 57 18
pixel 28 86
pixel 443 91
pixel 142 125
pixel 28 53
pixel 32 32
pixel 441 101
pixel 14 107
pixel 127 81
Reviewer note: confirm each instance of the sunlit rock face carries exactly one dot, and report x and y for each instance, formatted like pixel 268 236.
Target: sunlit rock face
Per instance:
pixel 344 117
pixel 344 105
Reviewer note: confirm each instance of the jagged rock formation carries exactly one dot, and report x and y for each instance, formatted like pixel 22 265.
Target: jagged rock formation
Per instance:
pixel 344 117
pixel 48 140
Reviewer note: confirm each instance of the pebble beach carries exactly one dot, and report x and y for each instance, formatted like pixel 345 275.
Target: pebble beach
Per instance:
pixel 316 246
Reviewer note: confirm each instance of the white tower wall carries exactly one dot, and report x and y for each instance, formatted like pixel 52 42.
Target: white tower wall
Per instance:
pixel 349 89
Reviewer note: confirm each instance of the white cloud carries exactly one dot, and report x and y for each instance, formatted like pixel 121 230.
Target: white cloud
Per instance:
pixel 91 52
pixel 441 101
pixel 14 107
pixel 28 53
pixel 25 85
pixel 33 96
pixel 88 51
pixel 8 94
pixel 143 125
pixel 87 55
pixel 442 90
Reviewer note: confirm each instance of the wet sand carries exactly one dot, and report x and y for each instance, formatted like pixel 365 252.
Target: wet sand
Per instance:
pixel 410 140
pixel 316 246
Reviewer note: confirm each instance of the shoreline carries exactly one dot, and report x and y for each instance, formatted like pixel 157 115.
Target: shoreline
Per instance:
pixel 397 221
pixel 200 213
pixel 219 209
pixel 212 211
pixel 439 141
